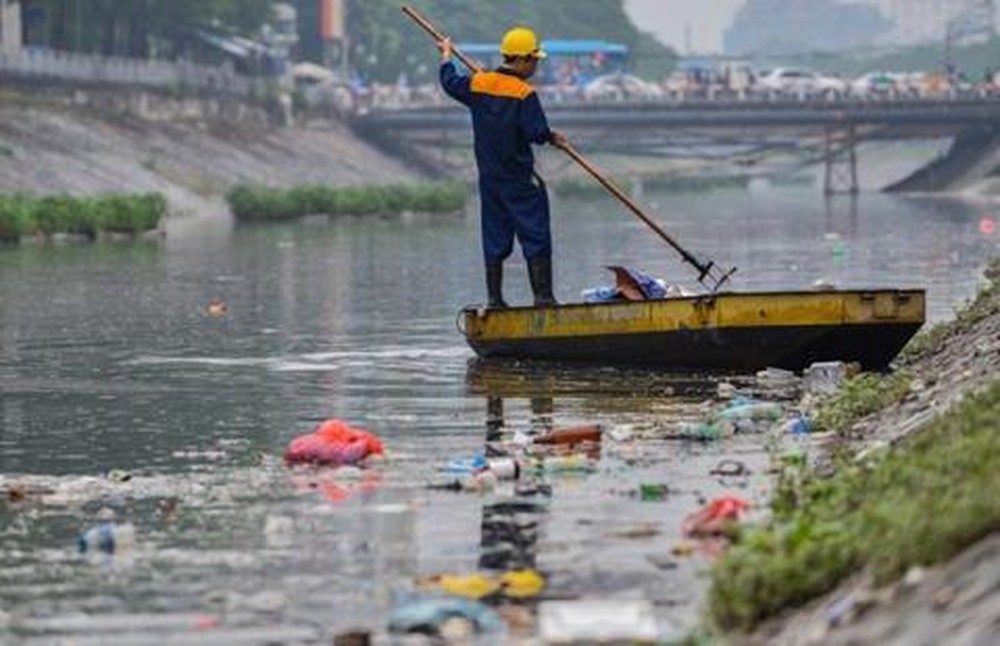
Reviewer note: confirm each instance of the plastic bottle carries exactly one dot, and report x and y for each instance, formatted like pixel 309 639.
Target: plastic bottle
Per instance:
pixel 601 294
pixel 106 538
pixel 578 463
pixel 466 466
pixel 505 468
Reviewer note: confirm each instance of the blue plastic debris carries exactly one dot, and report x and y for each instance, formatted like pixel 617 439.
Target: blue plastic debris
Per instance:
pixel 798 426
pixel 427 615
pixel 467 466
pixel 100 538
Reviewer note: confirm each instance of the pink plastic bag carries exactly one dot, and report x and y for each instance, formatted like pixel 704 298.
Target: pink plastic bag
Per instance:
pixel 334 442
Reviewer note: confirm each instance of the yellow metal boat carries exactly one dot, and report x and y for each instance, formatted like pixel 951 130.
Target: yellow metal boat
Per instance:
pixel 730 332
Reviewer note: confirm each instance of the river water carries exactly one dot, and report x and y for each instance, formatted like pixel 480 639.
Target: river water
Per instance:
pixel 109 360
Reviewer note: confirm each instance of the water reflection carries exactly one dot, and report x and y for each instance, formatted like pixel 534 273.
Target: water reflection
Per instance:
pixel 510 527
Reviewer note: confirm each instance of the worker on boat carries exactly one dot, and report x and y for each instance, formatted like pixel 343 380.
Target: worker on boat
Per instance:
pixel 507 118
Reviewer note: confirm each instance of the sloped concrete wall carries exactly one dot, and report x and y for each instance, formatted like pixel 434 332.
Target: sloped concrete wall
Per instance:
pixel 974 156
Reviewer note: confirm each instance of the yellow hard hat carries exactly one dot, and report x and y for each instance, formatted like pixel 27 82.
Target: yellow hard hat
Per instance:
pixel 521 41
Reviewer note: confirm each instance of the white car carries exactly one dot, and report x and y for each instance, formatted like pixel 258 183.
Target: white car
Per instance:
pixel 791 81
pixel 621 86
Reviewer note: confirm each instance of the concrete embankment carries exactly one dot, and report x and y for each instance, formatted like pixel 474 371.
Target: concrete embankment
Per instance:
pixel 55 144
pixel 969 165
pixel 895 539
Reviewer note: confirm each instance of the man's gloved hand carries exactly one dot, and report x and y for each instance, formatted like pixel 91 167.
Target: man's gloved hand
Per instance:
pixel 446 48
pixel 558 140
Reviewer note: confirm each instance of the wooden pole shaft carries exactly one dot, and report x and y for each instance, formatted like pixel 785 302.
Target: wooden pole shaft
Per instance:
pixel 629 203
pixel 429 27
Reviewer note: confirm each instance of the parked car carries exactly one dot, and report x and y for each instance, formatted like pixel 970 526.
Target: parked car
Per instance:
pixel 790 81
pixel 876 85
pixel 621 86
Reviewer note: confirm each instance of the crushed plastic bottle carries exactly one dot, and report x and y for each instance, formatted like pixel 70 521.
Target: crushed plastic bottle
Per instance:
pixel 466 466
pixel 750 409
pixel 577 463
pixel 106 537
pixel 825 378
pixel 797 426
pixel 602 294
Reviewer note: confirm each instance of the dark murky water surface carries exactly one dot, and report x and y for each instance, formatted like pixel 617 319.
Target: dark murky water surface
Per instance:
pixel 108 360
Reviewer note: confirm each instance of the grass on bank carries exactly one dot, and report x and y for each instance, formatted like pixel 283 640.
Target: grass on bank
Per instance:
pixel 21 215
pixel 588 187
pixel 918 504
pixel 256 203
pixel 859 397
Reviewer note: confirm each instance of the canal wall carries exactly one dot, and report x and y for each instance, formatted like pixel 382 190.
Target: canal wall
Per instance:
pixel 970 163
pixel 62 139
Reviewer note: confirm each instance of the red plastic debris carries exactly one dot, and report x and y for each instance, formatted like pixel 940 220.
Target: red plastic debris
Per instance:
pixel 715 517
pixel 207 622
pixel 334 442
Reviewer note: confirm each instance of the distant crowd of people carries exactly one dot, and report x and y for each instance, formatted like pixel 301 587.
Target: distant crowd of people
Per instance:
pixel 571 81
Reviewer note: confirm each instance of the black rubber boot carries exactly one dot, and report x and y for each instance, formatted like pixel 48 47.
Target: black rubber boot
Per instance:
pixel 540 274
pixel 494 284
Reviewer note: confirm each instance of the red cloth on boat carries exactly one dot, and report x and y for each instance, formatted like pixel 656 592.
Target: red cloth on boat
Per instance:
pixel 333 442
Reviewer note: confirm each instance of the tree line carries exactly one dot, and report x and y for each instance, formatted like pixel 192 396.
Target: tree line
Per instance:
pixel 385 43
pixel 136 28
pixel 382 42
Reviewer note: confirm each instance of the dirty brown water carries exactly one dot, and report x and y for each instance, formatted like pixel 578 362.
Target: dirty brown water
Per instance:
pixel 109 361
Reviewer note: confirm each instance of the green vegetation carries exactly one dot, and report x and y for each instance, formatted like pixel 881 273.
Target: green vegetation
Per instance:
pixel 586 187
pixel 917 504
pixel 986 303
pixel 386 44
pixel 138 27
pixel 21 215
pixel 859 397
pixel 259 203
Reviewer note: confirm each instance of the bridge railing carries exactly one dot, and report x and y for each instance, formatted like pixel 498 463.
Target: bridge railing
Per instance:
pixel 37 63
pixel 389 98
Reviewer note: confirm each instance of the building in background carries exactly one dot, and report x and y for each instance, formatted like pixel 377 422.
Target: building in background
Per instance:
pixel 10 27
pixel 781 27
pixel 322 26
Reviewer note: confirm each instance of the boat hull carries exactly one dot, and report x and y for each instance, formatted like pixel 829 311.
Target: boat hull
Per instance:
pixel 722 332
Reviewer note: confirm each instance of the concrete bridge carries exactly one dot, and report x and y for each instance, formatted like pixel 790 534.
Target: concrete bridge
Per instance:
pixel 828 131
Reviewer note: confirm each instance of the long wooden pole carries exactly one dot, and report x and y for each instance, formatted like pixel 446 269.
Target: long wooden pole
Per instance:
pixel 429 27
pixel 629 203
pixel 704 269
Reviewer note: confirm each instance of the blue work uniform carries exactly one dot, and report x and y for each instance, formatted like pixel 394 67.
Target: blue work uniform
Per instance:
pixel 507 118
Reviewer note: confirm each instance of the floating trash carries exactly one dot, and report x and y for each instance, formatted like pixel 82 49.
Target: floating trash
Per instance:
pixel 334 442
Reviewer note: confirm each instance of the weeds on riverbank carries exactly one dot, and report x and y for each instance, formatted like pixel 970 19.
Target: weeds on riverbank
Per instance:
pixel 918 504
pixel 587 187
pixel 858 397
pixel 256 203
pixel 986 303
pixel 21 215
